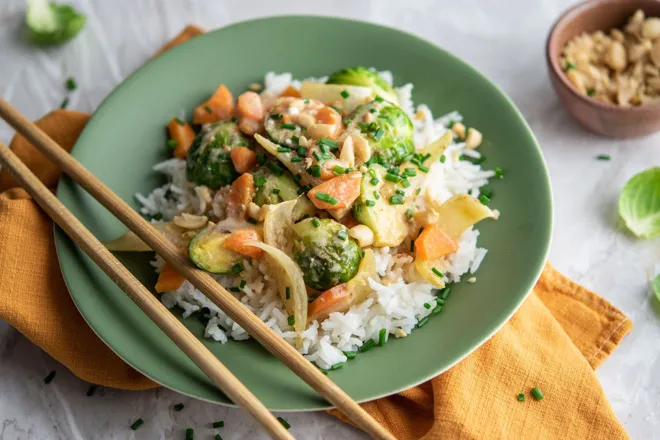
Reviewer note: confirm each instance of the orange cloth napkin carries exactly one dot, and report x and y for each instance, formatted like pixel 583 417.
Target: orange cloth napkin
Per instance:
pixel 559 335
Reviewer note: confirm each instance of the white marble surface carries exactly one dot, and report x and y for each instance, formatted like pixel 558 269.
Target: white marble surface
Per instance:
pixel 505 40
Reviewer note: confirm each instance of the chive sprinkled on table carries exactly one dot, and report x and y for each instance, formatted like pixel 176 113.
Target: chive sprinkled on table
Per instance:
pixel 536 392
pixel 284 422
pixel 521 397
pixel 190 434
pixel 136 424
pixel 91 390
pixel 178 407
pixel 219 424
pixel 71 84
pixel 48 379
pixel 604 157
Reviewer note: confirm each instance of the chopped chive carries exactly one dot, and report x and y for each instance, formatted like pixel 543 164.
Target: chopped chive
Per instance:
pixel 158 216
pixel 569 66
pixel 422 322
pixel 179 121
pixel 178 407
pixel 276 190
pixel 603 157
pixel 275 168
pixel 409 172
pixel 283 150
pixel 136 424
pixel 358 208
pixel 295 139
pixel 288 292
pixel 237 268
pixel 591 92
pixel 350 354
pixel 329 143
pixel 536 392
pixel 295 159
pixel 372 110
pixel 439 301
pixel 337 366
pixel 297 178
pixel 487 191
pixel 218 437
pixel 291 320
pixel 208 109
pixel 484 200
pixel 302 151
pixel 521 397
pixel 427 306
pixel 396 200
pixel 219 424
pixel 382 334
pixel 171 144
pixel 316 223
pixel 399 192
pixel 412 246
pixel 324 371
pixel 91 390
pixel 234 289
pixel 65 103
pixel 437 272
pixel 324 148
pixel 261 158
pixel 372 172
pixel 437 309
pixel 315 171
pixel 446 292
pixel 276 116
pixel 451 124
pixel 374 181
pixel 442 159
pixel 420 231
pixel 317 156
pixel 499 173
pixel 349 170
pixel 259 181
pixel 190 434
pixel 378 98
pixel 71 84
pixel 251 221
pixel 345 94
pixel 343 235
pixel 370 203
pixel 405 183
pixel 423 168
pixel 284 422
pixel 409 213
pixel 48 379
pixel 367 346
pixel 418 190
pixel 289 126
pixel 338 169
pixel 325 197
pixel 392 177
pixel 378 134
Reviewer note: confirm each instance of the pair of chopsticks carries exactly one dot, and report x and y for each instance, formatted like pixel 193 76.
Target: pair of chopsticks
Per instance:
pixel 183 338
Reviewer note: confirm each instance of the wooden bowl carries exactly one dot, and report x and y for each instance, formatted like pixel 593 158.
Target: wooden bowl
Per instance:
pixel 598 117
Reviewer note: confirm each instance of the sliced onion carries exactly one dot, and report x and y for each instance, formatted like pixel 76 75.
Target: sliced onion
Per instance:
pixel 437 147
pixel 129 242
pixel 278 226
pixel 359 284
pixel 285 158
pixel 332 94
pixel 425 270
pixel 459 213
pixel 287 274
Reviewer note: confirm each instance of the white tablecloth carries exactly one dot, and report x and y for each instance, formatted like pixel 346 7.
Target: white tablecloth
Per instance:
pixel 505 40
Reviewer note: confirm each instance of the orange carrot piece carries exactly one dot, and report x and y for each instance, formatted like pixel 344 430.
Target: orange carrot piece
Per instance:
pixel 336 299
pixel 345 189
pixel 236 242
pixel 243 159
pixel 168 279
pixel 291 92
pixel 219 107
pixel 184 136
pixel 433 243
pixel 241 194
pixel 249 106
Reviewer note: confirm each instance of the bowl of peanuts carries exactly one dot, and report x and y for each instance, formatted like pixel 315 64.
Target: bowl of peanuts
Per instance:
pixel 604 63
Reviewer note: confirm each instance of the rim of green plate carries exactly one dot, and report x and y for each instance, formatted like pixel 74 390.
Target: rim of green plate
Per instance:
pixel 532 276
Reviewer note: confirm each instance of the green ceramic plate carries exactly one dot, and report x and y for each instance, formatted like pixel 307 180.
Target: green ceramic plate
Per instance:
pixel 126 137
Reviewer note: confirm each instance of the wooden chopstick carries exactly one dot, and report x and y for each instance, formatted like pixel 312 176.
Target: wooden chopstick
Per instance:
pixel 149 304
pixel 200 279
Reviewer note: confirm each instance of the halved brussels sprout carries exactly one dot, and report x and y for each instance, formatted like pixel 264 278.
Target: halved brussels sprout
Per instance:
pixel 386 127
pixel 209 160
pixel 325 252
pixel 361 76
pixel 206 250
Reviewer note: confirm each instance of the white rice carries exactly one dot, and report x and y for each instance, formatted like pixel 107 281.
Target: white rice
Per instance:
pixel 394 305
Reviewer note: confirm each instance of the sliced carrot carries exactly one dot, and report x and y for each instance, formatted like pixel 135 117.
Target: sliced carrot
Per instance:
pixel 250 126
pixel 336 299
pixel 236 242
pixel 219 107
pixel 291 92
pixel 240 196
pixel 184 136
pixel 243 159
pixel 344 189
pixel 168 279
pixel 249 106
pixel 434 243
pixel 327 116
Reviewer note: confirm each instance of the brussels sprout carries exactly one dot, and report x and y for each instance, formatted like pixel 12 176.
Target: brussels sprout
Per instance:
pixel 361 76
pixel 386 127
pixel 273 188
pixel 206 251
pixel 325 253
pixel 209 161
pixel 50 23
